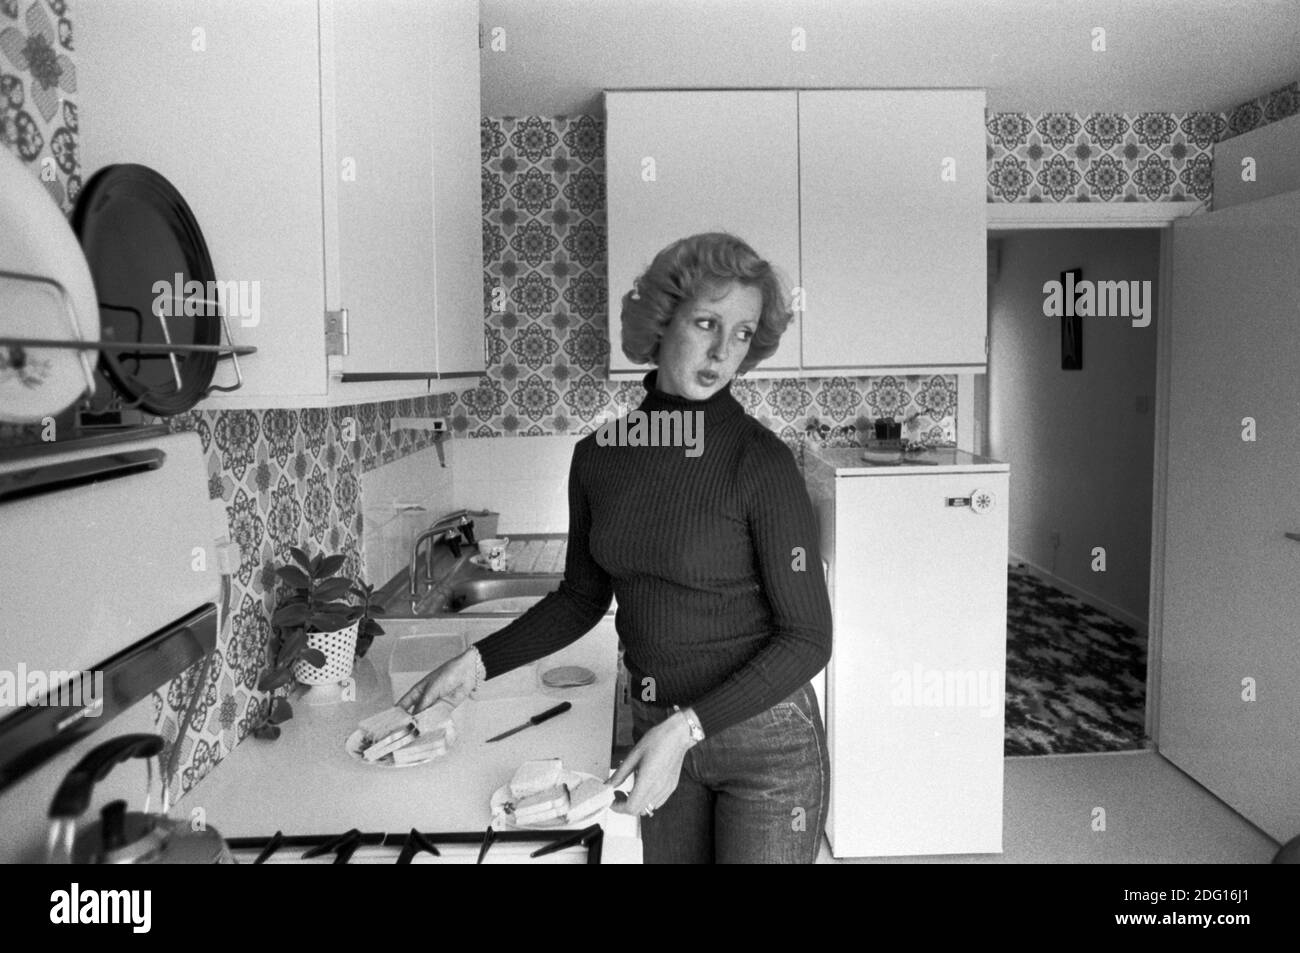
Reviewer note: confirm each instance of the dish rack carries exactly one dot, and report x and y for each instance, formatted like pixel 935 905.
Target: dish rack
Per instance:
pixel 228 350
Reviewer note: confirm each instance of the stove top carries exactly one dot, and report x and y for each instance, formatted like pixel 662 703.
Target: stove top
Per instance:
pixel 567 846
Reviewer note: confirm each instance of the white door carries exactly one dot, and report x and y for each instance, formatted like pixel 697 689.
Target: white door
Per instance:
pixel 1231 576
pixel 678 163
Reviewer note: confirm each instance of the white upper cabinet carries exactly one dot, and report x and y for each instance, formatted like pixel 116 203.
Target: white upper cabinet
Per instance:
pixel 228 110
pixel 679 163
pixel 330 152
pixel 893 200
pixel 871 201
pixel 401 147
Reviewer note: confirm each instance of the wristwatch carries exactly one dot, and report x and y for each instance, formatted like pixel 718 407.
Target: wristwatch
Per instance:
pixel 693 723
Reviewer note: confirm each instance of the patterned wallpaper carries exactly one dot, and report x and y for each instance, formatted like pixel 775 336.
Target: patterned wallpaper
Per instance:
pixel 1262 110
pixel 38 120
pixel 543 193
pixel 287 478
pixel 1102 157
pixel 1118 157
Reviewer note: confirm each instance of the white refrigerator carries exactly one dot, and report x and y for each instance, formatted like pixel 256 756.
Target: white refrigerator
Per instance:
pixel 915 686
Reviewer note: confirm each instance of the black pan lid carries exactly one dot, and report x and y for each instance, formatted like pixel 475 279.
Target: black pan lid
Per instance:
pixel 145 248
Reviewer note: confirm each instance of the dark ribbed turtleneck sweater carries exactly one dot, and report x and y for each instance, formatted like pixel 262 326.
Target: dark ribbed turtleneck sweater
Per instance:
pixel 715 603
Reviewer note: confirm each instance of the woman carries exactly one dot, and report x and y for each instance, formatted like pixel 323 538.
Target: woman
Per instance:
pixel 714 557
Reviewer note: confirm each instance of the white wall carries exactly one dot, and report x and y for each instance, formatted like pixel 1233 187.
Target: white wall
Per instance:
pixel 388 531
pixel 525 479
pixel 1080 451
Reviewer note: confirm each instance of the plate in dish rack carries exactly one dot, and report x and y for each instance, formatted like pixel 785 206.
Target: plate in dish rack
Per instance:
pixel 354 746
pixel 571 779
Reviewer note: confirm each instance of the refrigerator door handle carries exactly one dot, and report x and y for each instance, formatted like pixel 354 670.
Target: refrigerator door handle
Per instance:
pixel 980 501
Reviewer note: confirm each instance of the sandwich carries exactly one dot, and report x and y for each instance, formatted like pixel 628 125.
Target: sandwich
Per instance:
pixel 535 777
pixel 385 732
pixel 587 798
pixel 434 718
pixel 387 744
pixel 538 793
pixel 384 723
pixel 432 744
pixel 548 805
pixel 427 733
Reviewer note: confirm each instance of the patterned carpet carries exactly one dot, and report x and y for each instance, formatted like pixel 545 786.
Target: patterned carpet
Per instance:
pixel 1076 678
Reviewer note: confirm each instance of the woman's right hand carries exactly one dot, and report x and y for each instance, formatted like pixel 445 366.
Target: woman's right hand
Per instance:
pixel 453 681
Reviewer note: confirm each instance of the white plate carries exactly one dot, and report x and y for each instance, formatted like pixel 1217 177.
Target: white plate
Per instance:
pixel 353 745
pixel 486 564
pixel 507 821
pixel 35 240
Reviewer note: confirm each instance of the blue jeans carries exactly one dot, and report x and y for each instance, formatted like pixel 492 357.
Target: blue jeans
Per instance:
pixel 754 793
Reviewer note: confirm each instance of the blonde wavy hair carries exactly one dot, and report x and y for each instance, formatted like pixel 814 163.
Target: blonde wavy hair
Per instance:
pixel 690 269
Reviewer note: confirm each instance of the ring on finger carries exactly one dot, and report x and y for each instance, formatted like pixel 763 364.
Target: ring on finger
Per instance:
pixel 649 809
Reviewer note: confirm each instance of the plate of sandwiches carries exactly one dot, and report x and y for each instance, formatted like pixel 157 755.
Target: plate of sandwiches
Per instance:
pixel 543 794
pixel 394 738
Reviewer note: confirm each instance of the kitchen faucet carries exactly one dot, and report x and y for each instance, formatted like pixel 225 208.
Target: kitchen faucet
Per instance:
pixel 455 528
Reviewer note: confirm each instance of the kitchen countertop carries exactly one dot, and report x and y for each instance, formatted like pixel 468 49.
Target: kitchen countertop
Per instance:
pixel 306 783
pixel 848 460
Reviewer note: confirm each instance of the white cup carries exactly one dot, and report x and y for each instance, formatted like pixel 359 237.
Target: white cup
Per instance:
pixel 493 552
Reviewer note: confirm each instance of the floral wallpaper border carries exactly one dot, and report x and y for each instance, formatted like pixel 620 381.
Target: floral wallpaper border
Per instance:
pixel 1118 157
pixel 1102 157
pixel 1274 105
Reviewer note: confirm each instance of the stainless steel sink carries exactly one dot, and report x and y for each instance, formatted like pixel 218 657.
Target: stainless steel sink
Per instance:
pixel 512 595
pixel 463 589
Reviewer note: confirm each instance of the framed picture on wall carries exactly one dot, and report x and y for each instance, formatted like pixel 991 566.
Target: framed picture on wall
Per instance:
pixel 1071 323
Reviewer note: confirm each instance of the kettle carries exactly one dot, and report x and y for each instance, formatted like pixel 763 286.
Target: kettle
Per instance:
pixel 121 836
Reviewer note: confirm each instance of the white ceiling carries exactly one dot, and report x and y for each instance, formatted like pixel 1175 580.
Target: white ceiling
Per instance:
pixel 1031 55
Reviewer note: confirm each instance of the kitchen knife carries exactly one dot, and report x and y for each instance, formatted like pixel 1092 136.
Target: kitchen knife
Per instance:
pixel 559 709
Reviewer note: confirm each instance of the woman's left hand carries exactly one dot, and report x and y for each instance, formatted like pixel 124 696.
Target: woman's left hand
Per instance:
pixel 657 761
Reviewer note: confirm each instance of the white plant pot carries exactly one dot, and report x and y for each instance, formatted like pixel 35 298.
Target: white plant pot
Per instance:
pixel 340 650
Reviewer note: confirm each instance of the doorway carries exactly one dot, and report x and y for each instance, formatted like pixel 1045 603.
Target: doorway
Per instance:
pixel 1071 406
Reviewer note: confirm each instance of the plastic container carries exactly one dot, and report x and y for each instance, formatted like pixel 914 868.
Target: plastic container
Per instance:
pixel 414 656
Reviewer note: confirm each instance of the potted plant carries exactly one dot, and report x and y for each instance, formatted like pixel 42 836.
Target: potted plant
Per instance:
pixel 318 629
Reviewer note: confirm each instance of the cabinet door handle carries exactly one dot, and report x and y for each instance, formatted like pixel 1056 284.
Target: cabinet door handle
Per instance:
pixel 51 477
